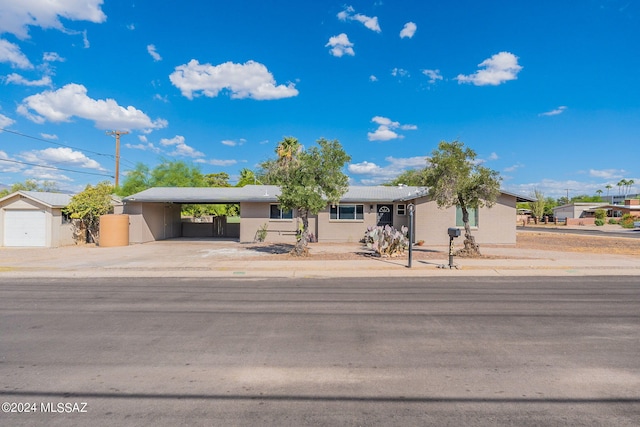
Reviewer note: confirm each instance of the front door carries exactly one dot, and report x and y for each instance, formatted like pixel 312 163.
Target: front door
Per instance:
pixel 385 215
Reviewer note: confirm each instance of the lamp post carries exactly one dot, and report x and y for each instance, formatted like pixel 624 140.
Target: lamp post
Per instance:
pixel 411 209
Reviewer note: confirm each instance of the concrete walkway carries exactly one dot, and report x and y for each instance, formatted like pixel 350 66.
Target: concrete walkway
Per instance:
pixel 208 258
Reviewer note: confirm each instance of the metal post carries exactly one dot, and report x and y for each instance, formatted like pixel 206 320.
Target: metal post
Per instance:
pixel 411 208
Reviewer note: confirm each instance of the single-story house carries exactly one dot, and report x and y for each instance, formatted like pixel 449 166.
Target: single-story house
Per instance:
pixel 588 210
pixel 154 214
pixel 32 218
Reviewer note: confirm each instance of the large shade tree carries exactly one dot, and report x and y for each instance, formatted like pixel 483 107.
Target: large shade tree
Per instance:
pixel 309 180
pixel 454 178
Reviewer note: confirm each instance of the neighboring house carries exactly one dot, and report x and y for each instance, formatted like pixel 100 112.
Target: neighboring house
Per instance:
pixel 576 210
pixel 587 210
pixel 155 214
pixel 32 218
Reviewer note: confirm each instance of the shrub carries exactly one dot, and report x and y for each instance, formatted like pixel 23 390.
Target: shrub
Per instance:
pixel 613 221
pixel 627 221
pixel 387 241
pixel 261 234
pixel 601 214
pixel 599 222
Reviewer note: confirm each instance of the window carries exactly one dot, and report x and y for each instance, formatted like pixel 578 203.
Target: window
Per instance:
pixel 401 209
pixel 276 213
pixel 473 217
pixel 347 212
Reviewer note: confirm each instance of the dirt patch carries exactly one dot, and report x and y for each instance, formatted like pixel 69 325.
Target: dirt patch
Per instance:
pixel 576 243
pixel 528 240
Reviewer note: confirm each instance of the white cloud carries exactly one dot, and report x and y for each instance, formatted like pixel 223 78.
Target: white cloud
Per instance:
pixel 5 121
pixel 513 168
pixel 376 174
pixel 49 136
pixel 340 45
pixel 16 16
pixel 154 53
pixel 217 162
pixel 607 173
pixel 399 72
pixel 9 167
pixel 561 109
pixel 248 80
pixel 434 75
pixel 52 57
pixel 493 156
pixel 385 130
pixel 46 174
pixel 72 100
pixel 181 149
pixel 373 78
pixel 408 30
pixel 231 143
pixel 131 27
pixel 144 147
pixel 12 54
pixel 61 156
pixel 498 69
pixel 19 80
pixel 368 21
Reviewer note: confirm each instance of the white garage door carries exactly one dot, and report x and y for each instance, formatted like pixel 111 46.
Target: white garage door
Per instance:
pixel 25 228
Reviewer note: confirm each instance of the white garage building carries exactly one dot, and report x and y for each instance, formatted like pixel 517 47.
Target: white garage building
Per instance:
pixel 34 219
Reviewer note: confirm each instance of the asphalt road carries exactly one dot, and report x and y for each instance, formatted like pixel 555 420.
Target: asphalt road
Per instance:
pixel 486 351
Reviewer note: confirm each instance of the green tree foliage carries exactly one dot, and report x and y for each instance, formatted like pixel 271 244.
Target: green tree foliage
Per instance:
pixel 166 174
pixel 247 177
pixel 538 207
pixel 137 180
pixel 88 205
pixel 31 185
pixel 308 179
pixel 455 179
pixel 220 179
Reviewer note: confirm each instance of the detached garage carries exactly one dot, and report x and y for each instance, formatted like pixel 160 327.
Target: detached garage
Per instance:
pixel 34 219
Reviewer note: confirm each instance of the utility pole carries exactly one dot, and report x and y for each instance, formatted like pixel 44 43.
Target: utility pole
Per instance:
pixel 117 133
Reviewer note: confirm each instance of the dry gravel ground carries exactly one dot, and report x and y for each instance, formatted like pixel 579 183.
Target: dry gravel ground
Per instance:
pixel 527 240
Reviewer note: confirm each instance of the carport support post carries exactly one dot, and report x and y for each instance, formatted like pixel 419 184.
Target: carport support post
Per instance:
pixel 411 207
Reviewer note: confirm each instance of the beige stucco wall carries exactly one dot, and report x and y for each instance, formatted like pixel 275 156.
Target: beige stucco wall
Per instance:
pixel 495 225
pixel 255 215
pixel 56 233
pixel 153 221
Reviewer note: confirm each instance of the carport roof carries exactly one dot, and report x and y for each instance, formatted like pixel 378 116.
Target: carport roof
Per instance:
pixel 265 193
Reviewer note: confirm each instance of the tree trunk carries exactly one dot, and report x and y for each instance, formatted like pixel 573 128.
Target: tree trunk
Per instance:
pixel 302 236
pixel 471 248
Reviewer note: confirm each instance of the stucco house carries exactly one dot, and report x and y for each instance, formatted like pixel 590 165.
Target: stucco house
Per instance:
pixel 35 219
pixel 155 214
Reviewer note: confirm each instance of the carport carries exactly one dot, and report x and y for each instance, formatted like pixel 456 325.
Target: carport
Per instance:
pixel 155 213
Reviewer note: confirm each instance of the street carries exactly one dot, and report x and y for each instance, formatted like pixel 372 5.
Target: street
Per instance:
pixel 525 351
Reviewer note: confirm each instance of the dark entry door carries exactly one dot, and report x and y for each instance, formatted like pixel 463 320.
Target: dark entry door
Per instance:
pixel 385 215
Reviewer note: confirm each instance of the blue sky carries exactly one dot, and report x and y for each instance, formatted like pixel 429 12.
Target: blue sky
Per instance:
pixel 545 92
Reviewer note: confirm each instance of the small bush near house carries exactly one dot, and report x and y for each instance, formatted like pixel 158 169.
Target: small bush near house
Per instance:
pixel 599 222
pixel 613 221
pixel 387 241
pixel 601 214
pixel 261 234
pixel 627 221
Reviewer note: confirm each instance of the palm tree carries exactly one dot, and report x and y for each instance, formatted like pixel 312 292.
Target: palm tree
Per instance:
pixel 599 193
pixel 630 182
pixel 287 150
pixel 247 176
pixel 620 184
pixel 608 187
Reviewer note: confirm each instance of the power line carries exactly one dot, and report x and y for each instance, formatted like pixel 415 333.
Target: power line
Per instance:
pixel 55 168
pixel 122 159
pixel 55 143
